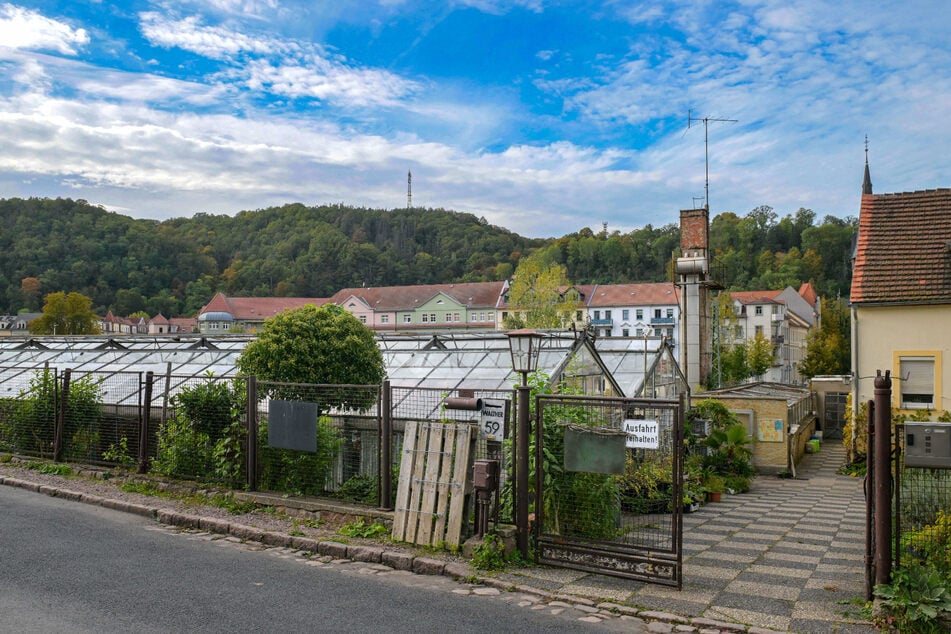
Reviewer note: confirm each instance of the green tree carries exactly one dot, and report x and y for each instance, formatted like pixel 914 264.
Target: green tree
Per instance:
pixel 539 296
pixel 66 314
pixel 759 355
pixel 828 347
pixel 325 345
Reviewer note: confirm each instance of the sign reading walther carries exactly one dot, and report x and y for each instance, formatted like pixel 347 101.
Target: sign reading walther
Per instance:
pixel 641 434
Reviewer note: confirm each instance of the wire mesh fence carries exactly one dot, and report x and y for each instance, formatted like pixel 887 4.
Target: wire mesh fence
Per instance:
pixel 197 427
pixel 319 440
pixel 98 427
pixel 922 515
pixel 28 411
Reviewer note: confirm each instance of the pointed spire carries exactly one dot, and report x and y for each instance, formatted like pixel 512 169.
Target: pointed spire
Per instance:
pixel 867 183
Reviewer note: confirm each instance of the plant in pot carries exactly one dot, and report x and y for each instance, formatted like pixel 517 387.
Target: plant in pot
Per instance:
pixel 714 484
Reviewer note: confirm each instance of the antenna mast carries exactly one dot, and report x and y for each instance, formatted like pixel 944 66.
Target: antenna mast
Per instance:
pixel 706 150
pixel 409 189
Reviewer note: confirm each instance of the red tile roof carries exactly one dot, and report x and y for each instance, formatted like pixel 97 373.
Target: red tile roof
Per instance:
pixel 903 251
pixel 257 308
pixel 756 297
pixel 474 294
pixel 646 294
pixel 808 293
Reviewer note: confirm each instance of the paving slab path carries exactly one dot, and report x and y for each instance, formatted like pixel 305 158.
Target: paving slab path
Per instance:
pixel 786 556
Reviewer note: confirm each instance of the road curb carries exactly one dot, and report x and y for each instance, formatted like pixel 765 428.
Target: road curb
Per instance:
pixel 371 554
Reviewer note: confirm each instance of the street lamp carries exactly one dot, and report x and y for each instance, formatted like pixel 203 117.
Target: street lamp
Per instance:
pixel 524 346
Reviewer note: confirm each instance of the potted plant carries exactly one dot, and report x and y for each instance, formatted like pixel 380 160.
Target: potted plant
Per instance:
pixel 714 484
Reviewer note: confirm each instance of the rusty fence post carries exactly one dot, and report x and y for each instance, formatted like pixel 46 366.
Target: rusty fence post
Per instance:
pixel 252 457
pixel 60 418
pixel 386 447
pixel 869 501
pixel 522 431
pixel 145 419
pixel 883 480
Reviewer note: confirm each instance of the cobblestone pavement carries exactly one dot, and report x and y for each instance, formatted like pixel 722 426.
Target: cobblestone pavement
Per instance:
pixel 787 556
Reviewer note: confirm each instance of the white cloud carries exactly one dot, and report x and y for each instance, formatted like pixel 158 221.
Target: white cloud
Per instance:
pixel 25 29
pixel 209 41
pixel 279 66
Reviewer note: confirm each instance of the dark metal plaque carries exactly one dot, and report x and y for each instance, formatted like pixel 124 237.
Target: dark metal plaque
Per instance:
pixel 594 450
pixel 292 425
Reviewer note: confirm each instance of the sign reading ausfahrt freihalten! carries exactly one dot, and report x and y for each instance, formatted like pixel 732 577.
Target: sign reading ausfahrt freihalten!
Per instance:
pixel 641 434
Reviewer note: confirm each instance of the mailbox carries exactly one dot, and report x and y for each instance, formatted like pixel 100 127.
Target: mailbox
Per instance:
pixel 928 445
pixel 485 474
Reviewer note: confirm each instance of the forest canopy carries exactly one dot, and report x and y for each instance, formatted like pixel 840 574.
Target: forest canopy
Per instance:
pixel 174 267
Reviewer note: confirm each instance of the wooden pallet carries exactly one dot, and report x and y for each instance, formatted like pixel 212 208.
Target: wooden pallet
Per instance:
pixel 430 497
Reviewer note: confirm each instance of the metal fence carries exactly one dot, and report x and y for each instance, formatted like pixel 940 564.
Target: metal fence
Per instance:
pixel 320 440
pixel 922 511
pixel 608 482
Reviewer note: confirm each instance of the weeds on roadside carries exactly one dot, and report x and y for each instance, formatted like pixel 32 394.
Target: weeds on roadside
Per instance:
pixel 50 468
pixel 360 528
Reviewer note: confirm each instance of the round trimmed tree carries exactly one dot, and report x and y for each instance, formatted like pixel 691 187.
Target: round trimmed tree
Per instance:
pixel 325 345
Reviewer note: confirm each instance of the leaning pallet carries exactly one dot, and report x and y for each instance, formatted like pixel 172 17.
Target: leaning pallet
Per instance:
pixel 430 497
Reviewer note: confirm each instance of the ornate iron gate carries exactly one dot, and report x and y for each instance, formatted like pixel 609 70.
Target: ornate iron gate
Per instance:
pixel 609 486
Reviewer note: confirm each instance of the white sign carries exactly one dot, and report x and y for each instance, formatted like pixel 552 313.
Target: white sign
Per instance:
pixel 641 434
pixel 492 418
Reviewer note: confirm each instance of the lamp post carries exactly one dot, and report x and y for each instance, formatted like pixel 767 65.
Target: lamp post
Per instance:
pixel 524 346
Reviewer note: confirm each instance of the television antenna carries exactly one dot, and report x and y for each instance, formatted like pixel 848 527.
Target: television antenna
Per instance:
pixel 706 149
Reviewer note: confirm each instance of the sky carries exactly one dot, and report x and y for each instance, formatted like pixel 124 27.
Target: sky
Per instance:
pixel 542 116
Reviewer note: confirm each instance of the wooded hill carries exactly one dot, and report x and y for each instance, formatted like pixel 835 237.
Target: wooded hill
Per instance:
pixel 175 266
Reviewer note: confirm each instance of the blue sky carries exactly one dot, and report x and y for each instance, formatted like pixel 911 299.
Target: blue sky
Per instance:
pixel 543 116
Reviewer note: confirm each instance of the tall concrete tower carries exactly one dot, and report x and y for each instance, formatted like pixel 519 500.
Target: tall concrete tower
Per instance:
pixel 693 277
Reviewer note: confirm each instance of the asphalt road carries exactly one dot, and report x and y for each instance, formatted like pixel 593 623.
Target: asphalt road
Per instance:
pixel 71 567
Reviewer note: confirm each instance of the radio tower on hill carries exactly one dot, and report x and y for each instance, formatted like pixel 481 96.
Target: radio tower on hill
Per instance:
pixel 409 189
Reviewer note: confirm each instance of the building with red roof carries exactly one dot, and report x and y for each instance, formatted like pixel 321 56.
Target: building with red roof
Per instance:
pixel 901 297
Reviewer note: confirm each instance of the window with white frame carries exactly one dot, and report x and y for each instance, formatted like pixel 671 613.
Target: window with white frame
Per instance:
pixel 432 317
pixel 384 319
pixel 625 314
pixel 758 310
pixel 916 382
pixel 607 314
pixel 407 318
pixel 670 313
pixel 597 314
pixel 363 319
pixel 625 332
pixel 639 314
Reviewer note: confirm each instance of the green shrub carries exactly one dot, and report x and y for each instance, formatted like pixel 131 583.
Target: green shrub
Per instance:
pixel 917 600
pixel 30 418
pixel 118 453
pixel 299 472
pixel 205 437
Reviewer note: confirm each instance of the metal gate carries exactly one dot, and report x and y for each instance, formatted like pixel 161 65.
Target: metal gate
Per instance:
pixel 608 484
pixel 833 415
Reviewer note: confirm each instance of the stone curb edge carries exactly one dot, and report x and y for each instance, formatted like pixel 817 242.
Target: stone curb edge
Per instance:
pixel 397 560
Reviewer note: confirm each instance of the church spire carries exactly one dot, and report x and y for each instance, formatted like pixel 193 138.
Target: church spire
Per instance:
pixel 867 183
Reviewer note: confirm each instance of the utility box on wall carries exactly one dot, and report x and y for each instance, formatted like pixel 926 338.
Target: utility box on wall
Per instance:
pixel 928 445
